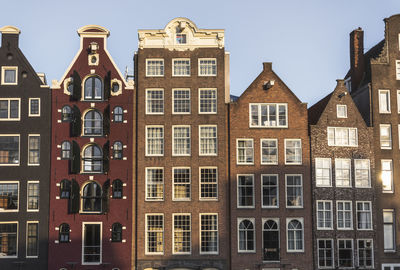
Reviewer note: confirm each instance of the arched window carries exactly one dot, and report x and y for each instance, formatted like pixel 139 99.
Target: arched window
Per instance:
pixel 66 114
pixel 116 232
pixel 270 241
pixel 93 88
pixel 246 236
pixel 92 159
pixel 65 189
pixel 93 123
pixel 63 233
pixel 295 235
pixel 118 114
pixel 117 189
pixel 66 150
pixel 117 150
pixel 91 197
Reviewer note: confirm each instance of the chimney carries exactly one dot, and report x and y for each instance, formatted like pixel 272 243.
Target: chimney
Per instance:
pixel 357 66
pixel 267 66
pixel 9 36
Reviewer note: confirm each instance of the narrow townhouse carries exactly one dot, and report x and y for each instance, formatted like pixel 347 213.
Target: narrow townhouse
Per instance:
pixel 270 179
pixel 343 184
pixel 25 104
pixel 181 77
pixel 92 161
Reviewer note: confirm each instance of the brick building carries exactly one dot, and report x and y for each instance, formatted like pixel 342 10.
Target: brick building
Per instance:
pixel 374 80
pixel 343 184
pixel 181 77
pixel 92 161
pixel 270 180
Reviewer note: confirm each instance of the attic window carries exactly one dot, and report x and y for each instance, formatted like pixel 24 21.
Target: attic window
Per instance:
pixel 180 38
pixel 341 111
pixel 9 75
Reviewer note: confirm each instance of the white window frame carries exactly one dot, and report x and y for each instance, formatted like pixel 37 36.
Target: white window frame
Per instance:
pixel 356 161
pixel 200 231
pixel 237 152
pixel 34 135
pixel 19 149
pixel 173 100
pixel 348 129
pixel 200 183
pixel 147 183
pixel 9 109
pixel 216 100
pixel 26 239
pixel 101 243
pixel 277 191
pixel 173 185
pixel 393 225
pixel 19 197
pixel 336 172
pixel 397 69
pixel 324 214
pixel 301 153
pixel 216 140
pixel 391 175
pixel 302 191
pixel 352 252
pixel 173 141
pixel 173 233
pixel 317 179
pixel 29 109
pixel 3 72
pixel 173 67
pixel 146 252
pixel 277 118
pixel 381 141
pixel 17 240
pixel 338 106
pixel 398 98
pixel 155 59
pixel 237 190
pixel 372 252
pixel 288 220
pixel 391 265
pixel 27 196
pixel 207 74
pixel 333 253
pixel 261 152
pixel 147 101
pixel 344 211
pixel 252 220
pixel 387 94
pixel 163 140
pixel 364 211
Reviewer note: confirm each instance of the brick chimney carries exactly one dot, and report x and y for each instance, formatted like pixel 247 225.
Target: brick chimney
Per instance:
pixel 357 65
pixel 9 36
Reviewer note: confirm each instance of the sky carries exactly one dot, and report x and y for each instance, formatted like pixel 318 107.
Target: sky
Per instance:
pixel 307 41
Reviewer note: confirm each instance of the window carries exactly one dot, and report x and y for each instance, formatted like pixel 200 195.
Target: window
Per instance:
pixel 324 215
pixel 9 196
pixel 65 189
pixel 208 184
pixel 343 172
pixel 117 150
pixel 9 109
pixel 325 253
pixel 269 151
pixel 154 233
pixel 294 191
pixel 293 151
pixel 270 194
pixel 155 140
pixel 154 101
pixel 181 67
pixel 323 172
pixel 92 159
pixel 91 197
pixel 245 151
pixel 34 107
pixel 362 174
pixel 398 94
pixel 338 136
pixel 384 101
pixel 295 235
pixel 268 115
pixel 118 115
pixel 63 233
pixel 33 196
pixel 181 101
pixel 91 248
pixel 182 234
pixel 345 253
pixel 8 239
pixel 180 38
pixel 9 150
pixel 115 87
pixel 246 235
pixel 66 114
pixel 117 189
pixel 181 140
pixel 93 88
pixel 208 234
pixel 365 253
pixel 154 184
pixel 207 67
pixel 154 67
pixel 245 188
pixel 181 182
pixel 208 101
pixel 93 123
pixel 344 215
pixel 387 175
pixel 271 244
pixel 385 136
pixel 208 140
pixel 364 216
pixel 9 75
pixel 341 111
pixel 66 150
pixel 389 241
pixel 32 239
pixel 116 232
pixel 34 149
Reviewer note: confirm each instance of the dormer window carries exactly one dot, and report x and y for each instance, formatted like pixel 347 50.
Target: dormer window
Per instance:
pixel 341 111
pixel 180 38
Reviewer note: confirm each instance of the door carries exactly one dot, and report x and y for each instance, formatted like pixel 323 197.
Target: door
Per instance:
pixel 270 241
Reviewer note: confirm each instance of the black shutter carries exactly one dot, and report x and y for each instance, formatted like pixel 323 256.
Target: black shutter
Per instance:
pixel 73 202
pixel 76 122
pixel 75 161
pixel 77 86
pixel 107 85
pixel 106 196
pixel 106 121
pixel 106 156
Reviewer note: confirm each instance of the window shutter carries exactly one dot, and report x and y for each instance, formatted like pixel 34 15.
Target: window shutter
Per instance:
pixel 75 161
pixel 106 121
pixel 105 196
pixel 106 155
pixel 73 202
pixel 107 85
pixel 76 123
pixel 77 86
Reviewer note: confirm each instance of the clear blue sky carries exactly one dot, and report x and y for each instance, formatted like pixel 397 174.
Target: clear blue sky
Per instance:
pixel 307 40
